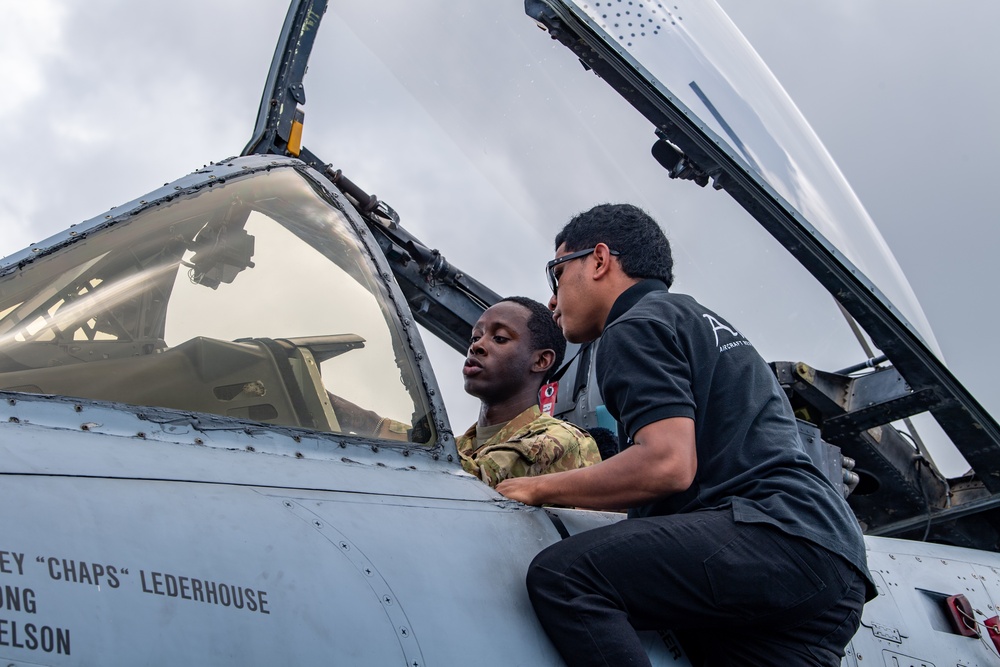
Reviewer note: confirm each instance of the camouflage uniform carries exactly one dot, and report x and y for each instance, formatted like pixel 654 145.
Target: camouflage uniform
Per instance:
pixel 530 444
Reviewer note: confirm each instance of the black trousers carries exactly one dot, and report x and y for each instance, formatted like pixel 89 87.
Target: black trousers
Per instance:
pixel 735 593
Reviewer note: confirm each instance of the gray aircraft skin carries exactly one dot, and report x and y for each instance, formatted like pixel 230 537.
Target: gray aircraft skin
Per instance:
pixel 223 442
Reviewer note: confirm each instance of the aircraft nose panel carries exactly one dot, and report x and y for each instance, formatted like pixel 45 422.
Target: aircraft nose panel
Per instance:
pixel 368 573
pixel 188 573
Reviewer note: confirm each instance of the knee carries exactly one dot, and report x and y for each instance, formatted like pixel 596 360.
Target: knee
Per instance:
pixel 545 573
pixel 539 573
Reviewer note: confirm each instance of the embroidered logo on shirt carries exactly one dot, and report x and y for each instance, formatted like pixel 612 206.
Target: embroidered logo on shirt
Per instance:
pixel 718 326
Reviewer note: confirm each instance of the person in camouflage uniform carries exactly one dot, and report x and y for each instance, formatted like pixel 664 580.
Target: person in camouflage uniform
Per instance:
pixel 530 444
pixel 514 348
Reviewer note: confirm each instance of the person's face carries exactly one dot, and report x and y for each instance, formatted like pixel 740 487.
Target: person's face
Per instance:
pixel 572 304
pixel 500 358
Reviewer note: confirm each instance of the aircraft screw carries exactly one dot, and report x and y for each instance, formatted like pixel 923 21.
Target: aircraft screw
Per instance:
pixel 199 441
pixel 140 435
pixel 12 401
pixel 404 632
pixel 345 546
pixel 387 600
pixel 287 504
pixel 317 524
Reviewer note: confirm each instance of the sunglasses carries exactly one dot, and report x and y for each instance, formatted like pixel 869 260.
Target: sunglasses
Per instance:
pixel 550 268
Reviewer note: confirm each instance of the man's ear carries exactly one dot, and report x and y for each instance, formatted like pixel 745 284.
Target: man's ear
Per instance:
pixel 542 361
pixel 602 260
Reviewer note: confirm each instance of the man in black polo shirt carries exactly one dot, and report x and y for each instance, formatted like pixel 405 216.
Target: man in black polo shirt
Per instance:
pixel 735 539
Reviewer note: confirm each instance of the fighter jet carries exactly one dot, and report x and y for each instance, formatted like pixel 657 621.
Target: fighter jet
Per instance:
pixel 223 438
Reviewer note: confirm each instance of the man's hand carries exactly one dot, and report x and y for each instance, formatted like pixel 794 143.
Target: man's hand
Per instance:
pixel 661 462
pixel 520 488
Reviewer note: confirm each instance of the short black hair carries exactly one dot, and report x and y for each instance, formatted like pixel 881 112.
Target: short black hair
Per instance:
pixel 644 251
pixel 545 333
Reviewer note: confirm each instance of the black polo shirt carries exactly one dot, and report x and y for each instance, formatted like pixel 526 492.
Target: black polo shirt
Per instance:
pixel 664 355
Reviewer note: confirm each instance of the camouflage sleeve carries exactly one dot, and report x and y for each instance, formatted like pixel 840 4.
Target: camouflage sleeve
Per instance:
pixel 390 429
pixel 579 450
pixel 502 462
pixel 469 464
pixel 355 419
pixel 553 449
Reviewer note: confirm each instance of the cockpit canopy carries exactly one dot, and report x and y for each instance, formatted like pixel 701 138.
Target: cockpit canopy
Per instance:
pixel 253 298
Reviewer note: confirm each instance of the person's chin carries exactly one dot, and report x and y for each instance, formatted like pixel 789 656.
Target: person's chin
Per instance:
pixel 472 388
pixel 575 336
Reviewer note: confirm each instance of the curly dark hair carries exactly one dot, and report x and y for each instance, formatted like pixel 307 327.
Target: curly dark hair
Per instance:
pixel 644 251
pixel 545 333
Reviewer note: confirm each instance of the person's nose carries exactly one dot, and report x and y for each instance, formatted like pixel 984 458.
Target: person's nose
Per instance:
pixel 477 348
pixel 553 302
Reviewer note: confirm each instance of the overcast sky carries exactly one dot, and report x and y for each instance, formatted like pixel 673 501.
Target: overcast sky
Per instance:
pixel 105 100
